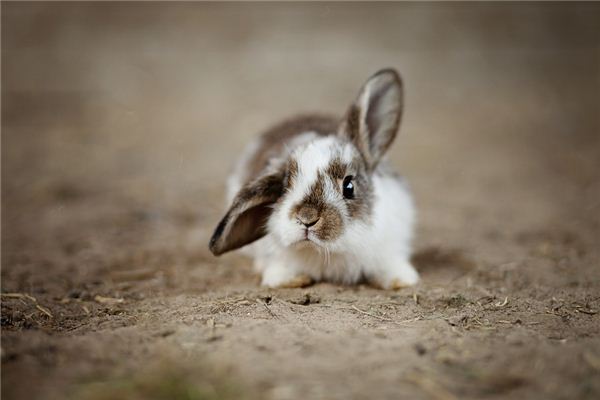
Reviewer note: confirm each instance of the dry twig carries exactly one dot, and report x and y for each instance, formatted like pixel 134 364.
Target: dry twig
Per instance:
pixel 502 304
pixel 372 315
pixel 107 300
pixel 44 310
pixel 19 296
pixel 268 309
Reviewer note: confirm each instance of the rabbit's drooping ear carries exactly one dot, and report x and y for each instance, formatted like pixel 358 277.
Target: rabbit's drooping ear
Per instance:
pixel 373 119
pixel 246 220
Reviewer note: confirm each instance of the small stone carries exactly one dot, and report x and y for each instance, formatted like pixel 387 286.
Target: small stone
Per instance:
pixel 420 349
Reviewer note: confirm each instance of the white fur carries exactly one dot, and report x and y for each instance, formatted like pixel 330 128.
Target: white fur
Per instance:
pixel 378 248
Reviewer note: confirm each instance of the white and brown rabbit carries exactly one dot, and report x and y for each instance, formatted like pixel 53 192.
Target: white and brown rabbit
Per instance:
pixel 316 192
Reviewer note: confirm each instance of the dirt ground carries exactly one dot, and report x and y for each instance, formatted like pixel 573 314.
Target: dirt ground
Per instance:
pixel 120 123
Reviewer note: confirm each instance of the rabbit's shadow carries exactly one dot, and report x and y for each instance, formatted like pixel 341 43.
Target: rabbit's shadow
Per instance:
pixel 436 263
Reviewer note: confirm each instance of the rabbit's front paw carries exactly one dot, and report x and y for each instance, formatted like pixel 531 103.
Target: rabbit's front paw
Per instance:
pixel 298 282
pixel 398 276
pixel 278 276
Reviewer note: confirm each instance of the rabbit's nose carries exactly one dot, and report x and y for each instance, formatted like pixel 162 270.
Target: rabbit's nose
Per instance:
pixel 308 223
pixel 308 217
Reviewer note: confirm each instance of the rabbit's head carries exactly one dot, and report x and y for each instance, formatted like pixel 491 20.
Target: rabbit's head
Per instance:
pixel 320 192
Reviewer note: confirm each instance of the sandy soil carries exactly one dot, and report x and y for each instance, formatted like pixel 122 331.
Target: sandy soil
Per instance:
pixel 120 124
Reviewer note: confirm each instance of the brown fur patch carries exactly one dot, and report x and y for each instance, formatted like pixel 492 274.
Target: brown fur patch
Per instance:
pixel 316 193
pixel 353 123
pixel 291 174
pixel 336 169
pixel 331 224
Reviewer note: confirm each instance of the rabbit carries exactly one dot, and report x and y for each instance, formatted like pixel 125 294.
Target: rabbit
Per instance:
pixel 325 205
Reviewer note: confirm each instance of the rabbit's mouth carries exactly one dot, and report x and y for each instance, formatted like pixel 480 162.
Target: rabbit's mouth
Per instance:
pixel 309 239
pixel 307 234
pixel 310 235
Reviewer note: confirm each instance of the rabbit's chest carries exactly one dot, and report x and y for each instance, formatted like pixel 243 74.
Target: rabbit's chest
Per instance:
pixel 330 267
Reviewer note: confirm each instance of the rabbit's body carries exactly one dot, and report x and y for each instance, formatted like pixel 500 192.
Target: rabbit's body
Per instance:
pixel 324 206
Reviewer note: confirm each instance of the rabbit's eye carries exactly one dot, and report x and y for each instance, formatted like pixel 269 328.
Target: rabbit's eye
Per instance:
pixel 348 187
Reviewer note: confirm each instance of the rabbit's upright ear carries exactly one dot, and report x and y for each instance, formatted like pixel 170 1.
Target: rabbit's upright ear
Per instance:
pixel 246 220
pixel 373 119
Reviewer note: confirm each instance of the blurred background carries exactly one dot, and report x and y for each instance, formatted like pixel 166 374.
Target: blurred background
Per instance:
pixel 128 108
pixel 121 121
